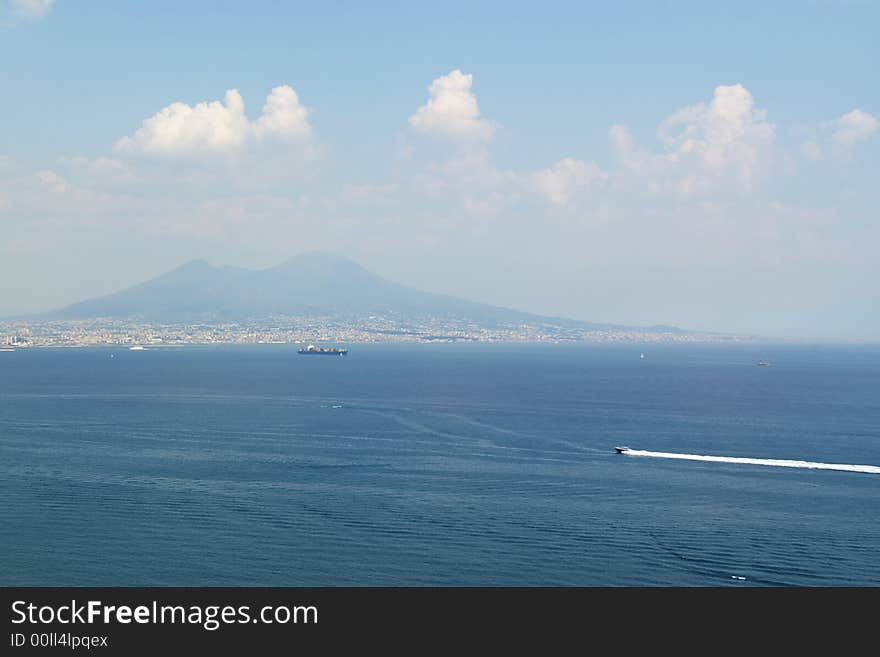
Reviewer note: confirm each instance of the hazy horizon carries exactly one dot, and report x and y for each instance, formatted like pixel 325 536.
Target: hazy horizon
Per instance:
pixel 711 168
pixel 35 316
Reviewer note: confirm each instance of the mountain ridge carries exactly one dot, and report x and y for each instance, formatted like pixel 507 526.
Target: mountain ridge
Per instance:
pixel 311 283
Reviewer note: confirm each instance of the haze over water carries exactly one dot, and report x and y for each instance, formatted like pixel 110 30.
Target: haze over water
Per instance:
pixel 438 464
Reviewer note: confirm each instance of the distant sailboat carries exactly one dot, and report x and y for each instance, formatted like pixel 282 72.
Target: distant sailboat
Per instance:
pixel 642 356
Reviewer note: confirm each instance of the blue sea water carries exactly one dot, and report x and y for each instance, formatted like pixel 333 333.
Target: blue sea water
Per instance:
pixel 438 465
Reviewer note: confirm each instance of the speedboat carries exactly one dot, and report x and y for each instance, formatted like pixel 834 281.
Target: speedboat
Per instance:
pixel 621 450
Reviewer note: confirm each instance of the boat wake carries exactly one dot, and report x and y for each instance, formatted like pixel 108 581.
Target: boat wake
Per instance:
pixel 779 463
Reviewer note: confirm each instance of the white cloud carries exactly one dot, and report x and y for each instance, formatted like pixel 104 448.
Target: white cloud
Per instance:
pixel 183 129
pixel 53 182
pixel 217 126
pixel 838 136
pixel 468 180
pixel 43 201
pixel 99 172
pixel 452 111
pixel 283 116
pixel 724 145
pixel 622 142
pixel 729 134
pixel 30 9
pixel 853 127
pixel 561 181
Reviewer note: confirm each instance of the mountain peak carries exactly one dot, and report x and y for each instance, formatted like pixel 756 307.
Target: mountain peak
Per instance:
pixel 323 268
pixel 318 259
pixel 308 284
pixel 196 264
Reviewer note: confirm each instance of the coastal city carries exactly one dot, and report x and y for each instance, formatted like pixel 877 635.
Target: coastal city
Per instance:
pixel 324 330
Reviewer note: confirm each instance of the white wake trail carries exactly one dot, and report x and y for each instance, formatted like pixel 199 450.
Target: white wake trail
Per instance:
pixel 779 463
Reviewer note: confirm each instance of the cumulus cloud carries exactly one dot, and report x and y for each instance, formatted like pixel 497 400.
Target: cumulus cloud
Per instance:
pixel 561 181
pixel 217 126
pixel 724 144
pixel 728 134
pixel 30 9
pixel 284 117
pixel 853 127
pixel 839 135
pixel 452 110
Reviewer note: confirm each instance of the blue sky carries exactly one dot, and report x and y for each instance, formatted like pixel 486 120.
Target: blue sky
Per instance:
pixel 699 164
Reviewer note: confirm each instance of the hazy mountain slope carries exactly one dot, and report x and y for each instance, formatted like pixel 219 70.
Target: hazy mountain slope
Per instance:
pixel 312 283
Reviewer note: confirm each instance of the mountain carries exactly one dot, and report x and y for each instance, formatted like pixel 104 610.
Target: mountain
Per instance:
pixel 308 284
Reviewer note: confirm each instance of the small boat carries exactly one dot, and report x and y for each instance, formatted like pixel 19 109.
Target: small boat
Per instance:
pixel 621 450
pixel 763 363
pixel 312 350
pixel 137 347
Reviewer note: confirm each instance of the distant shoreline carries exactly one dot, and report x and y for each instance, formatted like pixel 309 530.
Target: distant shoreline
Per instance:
pixel 415 343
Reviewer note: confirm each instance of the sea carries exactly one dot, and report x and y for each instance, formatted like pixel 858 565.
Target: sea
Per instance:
pixel 441 464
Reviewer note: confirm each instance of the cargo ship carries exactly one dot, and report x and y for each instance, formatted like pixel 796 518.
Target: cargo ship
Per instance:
pixel 312 350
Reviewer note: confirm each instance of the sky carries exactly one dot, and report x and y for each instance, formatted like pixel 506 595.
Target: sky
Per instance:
pixel 713 166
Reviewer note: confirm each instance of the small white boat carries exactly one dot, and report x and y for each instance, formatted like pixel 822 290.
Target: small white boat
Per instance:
pixel 137 347
pixel 621 450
